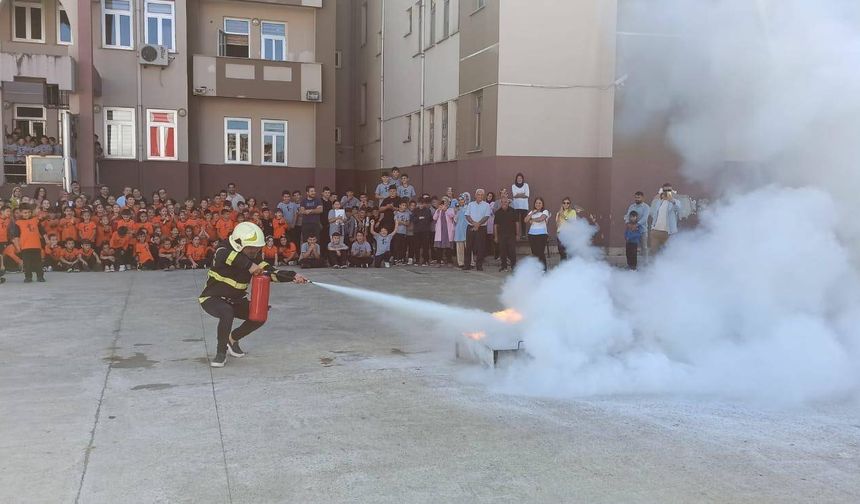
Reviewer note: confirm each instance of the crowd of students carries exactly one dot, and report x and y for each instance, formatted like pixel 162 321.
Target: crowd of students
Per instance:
pixel 393 226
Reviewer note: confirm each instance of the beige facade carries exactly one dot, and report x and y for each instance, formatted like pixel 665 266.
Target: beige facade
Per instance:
pixel 257 61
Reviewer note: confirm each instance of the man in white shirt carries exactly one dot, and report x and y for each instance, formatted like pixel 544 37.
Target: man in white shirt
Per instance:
pixel 232 196
pixel 477 214
pixel 664 213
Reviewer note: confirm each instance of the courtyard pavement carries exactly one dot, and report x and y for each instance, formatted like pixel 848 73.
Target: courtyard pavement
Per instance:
pixel 106 396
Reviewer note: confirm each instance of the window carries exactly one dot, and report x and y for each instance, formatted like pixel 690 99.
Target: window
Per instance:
pixel 362 104
pixel 446 18
pixel 237 134
pixel 159 23
pixel 29 22
pixel 338 135
pixel 408 129
pixel 274 41
pixel 480 4
pixel 161 141
pixel 30 119
pixel 338 59
pixel 432 23
pixel 432 143
pixel 236 38
pixel 363 21
pixel 116 20
pixel 479 104
pixel 444 150
pixel 274 142
pixel 408 21
pixel 64 27
pixel 119 132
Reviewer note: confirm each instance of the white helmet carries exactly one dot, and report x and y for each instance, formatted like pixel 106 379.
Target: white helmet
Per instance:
pixel 246 234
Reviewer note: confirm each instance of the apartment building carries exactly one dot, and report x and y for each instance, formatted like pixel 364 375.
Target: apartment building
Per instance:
pixel 183 94
pixel 468 93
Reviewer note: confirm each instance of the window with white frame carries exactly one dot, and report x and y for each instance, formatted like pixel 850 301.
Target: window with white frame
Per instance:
pixel 159 23
pixel 363 21
pixel 29 25
pixel 443 154
pixel 237 137
pixel 432 39
pixel 446 18
pixel 161 134
pixel 274 142
pixel 274 41
pixel 30 119
pixel 408 129
pixel 119 132
pixel 236 41
pixel 116 21
pixel 431 113
pixel 362 104
pixel 479 105
pixel 408 21
pixel 64 26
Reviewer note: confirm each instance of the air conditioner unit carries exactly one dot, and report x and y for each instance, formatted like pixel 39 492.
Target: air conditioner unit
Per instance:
pixel 153 55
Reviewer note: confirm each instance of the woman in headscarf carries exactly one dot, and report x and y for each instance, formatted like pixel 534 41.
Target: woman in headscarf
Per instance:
pixel 520 198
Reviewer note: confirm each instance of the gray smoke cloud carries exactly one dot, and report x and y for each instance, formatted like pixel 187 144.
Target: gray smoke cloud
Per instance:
pixel 762 300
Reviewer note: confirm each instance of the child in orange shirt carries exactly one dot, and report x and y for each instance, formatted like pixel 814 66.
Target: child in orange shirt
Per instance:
pixel 279 226
pixel 107 257
pixel 287 253
pixel 270 251
pixel 51 224
pixel 225 225
pixel 103 231
pixel 89 260
pixel 86 227
pixel 70 258
pixel 68 225
pixel 121 244
pixel 167 255
pixel 197 254
pixel 180 259
pixel 52 253
pixel 28 240
pixel 143 253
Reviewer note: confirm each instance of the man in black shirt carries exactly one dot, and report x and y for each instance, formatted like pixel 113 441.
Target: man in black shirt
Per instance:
pixel 506 233
pixel 422 224
pixel 311 209
pixel 387 208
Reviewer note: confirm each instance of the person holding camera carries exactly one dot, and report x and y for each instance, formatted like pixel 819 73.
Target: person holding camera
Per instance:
pixel 664 213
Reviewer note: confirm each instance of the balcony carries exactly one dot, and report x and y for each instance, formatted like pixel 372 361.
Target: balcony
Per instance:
pixel 57 70
pixel 299 3
pixel 228 77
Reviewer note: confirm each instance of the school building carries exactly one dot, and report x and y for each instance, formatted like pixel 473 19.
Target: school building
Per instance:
pixel 274 94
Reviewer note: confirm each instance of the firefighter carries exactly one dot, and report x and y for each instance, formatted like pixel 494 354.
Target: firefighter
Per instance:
pixel 229 278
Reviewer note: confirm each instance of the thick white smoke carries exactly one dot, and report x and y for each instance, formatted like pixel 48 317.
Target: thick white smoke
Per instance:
pixel 762 300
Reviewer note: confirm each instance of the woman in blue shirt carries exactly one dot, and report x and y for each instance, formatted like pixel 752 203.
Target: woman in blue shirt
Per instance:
pixel 460 226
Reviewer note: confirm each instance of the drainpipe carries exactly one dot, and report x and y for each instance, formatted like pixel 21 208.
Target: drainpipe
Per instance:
pixel 140 119
pixel 382 88
pixel 422 10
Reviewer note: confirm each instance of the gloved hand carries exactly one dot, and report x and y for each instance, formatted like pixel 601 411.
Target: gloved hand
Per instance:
pixel 284 276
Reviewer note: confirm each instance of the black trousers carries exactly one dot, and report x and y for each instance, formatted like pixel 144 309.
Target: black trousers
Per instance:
pixel 538 246
pixel 423 242
pixel 632 250
pixel 398 247
pixel 225 312
pixel 337 260
pixel 562 251
pixel 508 249
pixel 310 229
pixel 378 260
pixel 360 261
pixel 476 243
pixel 32 259
pixel 124 257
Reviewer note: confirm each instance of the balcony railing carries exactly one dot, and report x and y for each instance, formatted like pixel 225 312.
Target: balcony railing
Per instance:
pixel 237 77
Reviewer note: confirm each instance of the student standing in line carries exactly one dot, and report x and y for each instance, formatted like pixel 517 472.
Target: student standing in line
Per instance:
pixel 537 219
pixel 520 195
pixel 28 241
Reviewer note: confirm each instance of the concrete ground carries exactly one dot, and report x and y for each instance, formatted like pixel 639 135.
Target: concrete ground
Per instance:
pixel 106 397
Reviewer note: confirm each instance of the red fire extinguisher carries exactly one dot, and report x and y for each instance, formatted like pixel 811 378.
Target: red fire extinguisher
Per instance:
pixel 258 309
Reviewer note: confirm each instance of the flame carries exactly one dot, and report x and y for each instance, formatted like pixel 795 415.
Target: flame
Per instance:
pixel 475 335
pixel 510 316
